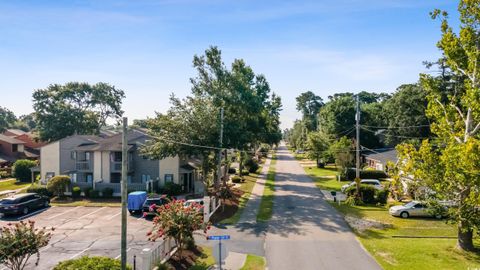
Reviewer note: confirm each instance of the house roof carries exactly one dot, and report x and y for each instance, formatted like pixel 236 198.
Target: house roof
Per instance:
pixel 383 156
pixel 10 140
pixel 17 132
pixel 113 143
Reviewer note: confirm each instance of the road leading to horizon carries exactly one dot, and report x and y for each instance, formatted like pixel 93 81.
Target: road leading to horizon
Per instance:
pixel 305 232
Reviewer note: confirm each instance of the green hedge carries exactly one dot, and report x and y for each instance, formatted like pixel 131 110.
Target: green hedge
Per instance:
pixel 236 179
pixel 90 263
pixel 42 190
pixel 21 169
pixel 369 194
pixel 366 174
pixel 76 191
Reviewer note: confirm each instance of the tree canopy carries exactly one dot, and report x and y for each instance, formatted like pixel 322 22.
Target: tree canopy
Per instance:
pixel 75 108
pixel 450 167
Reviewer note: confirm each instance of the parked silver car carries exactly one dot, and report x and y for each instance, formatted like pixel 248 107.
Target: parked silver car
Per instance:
pixel 412 209
pixel 373 182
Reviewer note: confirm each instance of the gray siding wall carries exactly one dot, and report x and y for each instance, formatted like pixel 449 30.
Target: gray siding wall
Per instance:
pixel 144 167
pixel 66 147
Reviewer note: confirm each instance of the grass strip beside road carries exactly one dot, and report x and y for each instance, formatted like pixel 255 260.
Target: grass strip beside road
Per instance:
pixel 376 231
pixel 88 203
pixel 247 188
pixel 266 205
pixel 205 260
pixel 325 178
pixel 254 262
pixel 13 184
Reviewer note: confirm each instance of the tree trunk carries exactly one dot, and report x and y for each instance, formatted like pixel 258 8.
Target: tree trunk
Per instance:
pixel 465 238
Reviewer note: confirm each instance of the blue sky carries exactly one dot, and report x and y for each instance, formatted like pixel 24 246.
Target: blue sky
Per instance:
pixel 145 47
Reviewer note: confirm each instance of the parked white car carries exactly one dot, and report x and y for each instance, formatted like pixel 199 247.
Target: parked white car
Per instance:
pixel 374 182
pixel 412 209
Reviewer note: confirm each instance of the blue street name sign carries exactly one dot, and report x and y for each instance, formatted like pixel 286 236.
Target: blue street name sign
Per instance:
pixel 218 237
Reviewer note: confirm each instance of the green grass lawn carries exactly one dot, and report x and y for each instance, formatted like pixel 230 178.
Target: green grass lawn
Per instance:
pixel 114 202
pixel 205 260
pixel 325 178
pixel 254 262
pixel 407 253
pixel 12 184
pixel 266 205
pixel 246 187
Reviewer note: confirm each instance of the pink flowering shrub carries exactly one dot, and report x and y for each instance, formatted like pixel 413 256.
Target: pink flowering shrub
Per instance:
pixel 19 241
pixel 178 222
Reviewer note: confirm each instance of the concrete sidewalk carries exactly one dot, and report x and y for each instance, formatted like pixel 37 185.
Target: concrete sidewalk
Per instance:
pixel 249 214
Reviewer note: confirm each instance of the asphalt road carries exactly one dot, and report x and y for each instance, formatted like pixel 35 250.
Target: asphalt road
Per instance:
pixel 305 232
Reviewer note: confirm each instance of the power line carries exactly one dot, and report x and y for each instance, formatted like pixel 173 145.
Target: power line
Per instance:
pixel 398 127
pixel 398 136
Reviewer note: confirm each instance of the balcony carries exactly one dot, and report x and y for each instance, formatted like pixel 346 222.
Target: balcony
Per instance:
pixel 116 166
pixel 83 166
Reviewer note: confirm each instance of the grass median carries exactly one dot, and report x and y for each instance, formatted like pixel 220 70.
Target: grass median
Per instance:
pixel 387 239
pixel 254 262
pixel 266 205
pixel 246 188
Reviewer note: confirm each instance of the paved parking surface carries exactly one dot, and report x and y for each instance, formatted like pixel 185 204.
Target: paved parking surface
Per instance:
pixel 86 231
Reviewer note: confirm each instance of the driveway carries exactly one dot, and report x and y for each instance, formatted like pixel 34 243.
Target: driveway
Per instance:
pixel 305 232
pixel 86 231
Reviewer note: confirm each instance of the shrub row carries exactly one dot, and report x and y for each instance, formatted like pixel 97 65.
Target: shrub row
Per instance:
pixel 369 194
pixel 90 263
pixel 366 174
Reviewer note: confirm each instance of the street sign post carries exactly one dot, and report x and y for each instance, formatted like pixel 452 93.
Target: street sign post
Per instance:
pixel 219 250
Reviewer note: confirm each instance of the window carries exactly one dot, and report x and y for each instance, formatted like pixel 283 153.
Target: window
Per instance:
pixel 14 148
pixel 117 156
pixel 73 176
pixel 73 155
pixel 89 177
pixel 87 156
pixel 115 177
pixel 168 178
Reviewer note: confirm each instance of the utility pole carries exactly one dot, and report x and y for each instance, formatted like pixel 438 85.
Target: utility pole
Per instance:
pixel 357 142
pixel 124 194
pixel 220 150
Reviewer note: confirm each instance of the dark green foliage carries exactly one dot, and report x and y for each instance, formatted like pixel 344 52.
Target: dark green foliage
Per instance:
pixel 381 196
pixel 252 165
pixel 366 174
pixel 87 191
pixel 232 171
pixel 58 184
pixel 94 193
pixel 172 189
pixel 76 191
pixel 236 179
pixel 21 169
pixel 107 192
pixel 90 263
pixel 42 190
pixel 75 108
pixel 245 172
pixel 7 119
pixel 368 194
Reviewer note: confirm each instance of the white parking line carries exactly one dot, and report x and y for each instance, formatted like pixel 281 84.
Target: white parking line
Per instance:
pixel 116 258
pixel 92 213
pixel 31 214
pixel 57 215
pixel 109 218
pixel 79 253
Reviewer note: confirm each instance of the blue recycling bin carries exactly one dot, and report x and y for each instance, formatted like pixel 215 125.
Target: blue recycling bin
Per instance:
pixel 135 201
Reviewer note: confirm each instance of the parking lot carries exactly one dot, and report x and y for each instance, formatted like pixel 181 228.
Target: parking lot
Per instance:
pixel 85 231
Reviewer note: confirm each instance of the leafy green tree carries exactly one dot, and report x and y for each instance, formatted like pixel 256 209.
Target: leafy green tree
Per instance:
pixel 251 112
pixel 450 168
pixel 21 169
pixel 337 118
pixel 309 105
pixel 406 114
pixel 342 151
pixel 317 146
pixel 75 108
pixel 7 119
pixel 58 184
